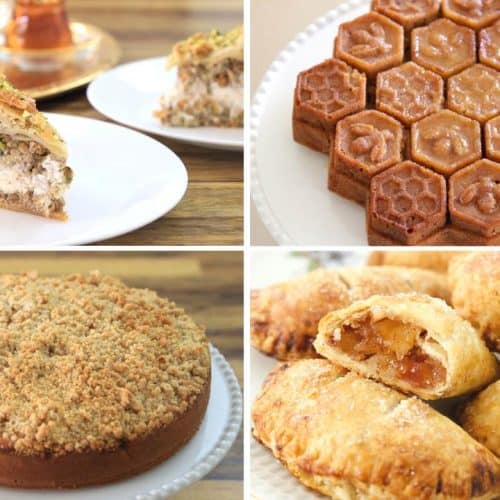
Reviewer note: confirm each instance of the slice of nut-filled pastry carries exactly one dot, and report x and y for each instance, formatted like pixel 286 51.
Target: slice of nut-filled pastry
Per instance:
pixel 412 342
pixel 33 171
pixel 284 317
pixel 352 438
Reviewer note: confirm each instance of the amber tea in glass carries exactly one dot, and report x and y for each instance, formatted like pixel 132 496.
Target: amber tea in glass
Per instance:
pixel 39 24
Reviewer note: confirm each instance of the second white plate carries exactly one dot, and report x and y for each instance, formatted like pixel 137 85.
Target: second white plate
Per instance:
pixel 123 180
pixel 131 92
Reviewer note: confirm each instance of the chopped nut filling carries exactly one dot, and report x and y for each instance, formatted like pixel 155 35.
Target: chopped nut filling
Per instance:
pixel 393 346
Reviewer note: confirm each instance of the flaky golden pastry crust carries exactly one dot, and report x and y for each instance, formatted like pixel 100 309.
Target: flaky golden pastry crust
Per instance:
pixel 434 261
pixel 284 317
pixel 351 438
pixel 415 343
pixel 19 117
pixel 475 284
pixel 481 417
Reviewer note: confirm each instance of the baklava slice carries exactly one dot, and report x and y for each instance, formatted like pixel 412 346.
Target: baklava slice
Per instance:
pixel 415 343
pixel 209 88
pixel 33 171
pixel 351 438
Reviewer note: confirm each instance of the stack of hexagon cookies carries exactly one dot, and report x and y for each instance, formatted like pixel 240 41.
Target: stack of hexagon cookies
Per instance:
pixel 408 110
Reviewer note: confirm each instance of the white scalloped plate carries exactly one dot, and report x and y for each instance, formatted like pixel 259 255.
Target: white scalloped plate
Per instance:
pixel 289 181
pixel 140 84
pixel 205 450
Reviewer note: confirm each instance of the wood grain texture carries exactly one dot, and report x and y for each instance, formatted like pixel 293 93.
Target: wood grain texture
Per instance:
pixel 208 285
pixel 211 213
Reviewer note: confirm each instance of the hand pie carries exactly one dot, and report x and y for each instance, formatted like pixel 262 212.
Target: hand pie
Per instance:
pixel 434 261
pixel 481 418
pixel 33 171
pixel 475 285
pixel 284 317
pixel 415 343
pixel 352 438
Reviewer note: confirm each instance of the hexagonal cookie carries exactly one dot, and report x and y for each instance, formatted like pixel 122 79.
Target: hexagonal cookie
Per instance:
pixel 489 46
pixel 475 198
pixel 446 141
pixel 370 43
pixel 407 203
pixel 473 13
pixel 324 94
pixel 492 138
pixel 444 47
pixel 409 92
pixel 365 144
pixel 475 92
pixel 408 13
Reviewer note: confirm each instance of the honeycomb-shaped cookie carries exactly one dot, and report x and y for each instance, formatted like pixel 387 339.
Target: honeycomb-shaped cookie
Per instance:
pixel 475 92
pixel 473 13
pixel 367 143
pixel 475 198
pixel 489 46
pixel 327 92
pixel 409 92
pixel 446 141
pixel 370 43
pixel 492 138
pixel 408 13
pixel 407 202
pixel 444 47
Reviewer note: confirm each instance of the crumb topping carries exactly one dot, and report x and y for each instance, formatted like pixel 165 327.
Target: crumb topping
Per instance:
pixel 87 363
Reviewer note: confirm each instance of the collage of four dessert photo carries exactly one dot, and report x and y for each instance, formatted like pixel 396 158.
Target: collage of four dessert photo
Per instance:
pixel 250 249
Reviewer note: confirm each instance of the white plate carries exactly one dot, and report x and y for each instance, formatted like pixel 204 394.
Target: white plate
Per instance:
pixel 123 180
pixel 289 181
pixel 131 92
pixel 205 450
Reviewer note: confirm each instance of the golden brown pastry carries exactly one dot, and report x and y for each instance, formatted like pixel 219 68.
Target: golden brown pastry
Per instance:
pixel 33 172
pixel 352 438
pixel 434 261
pixel 284 317
pixel 475 284
pixel 415 343
pixel 481 418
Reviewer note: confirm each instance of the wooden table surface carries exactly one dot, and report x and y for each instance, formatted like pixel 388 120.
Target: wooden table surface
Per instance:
pixel 211 212
pixel 208 285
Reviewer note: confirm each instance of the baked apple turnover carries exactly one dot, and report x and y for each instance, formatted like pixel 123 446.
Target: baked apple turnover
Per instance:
pixel 415 343
pixel 284 317
pixel 352 438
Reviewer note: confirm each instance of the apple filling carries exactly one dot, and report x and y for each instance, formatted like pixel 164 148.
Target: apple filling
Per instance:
pixel 393 347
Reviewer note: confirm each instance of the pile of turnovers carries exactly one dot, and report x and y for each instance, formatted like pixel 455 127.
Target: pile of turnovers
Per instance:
pixel 408 111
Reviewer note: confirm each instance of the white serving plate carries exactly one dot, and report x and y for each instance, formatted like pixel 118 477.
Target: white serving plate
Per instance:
pixel 289 181
pixel 131 92
pixel 123 180
pixel 205 450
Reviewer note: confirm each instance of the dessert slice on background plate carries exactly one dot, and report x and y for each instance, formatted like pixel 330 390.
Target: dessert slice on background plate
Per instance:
pixel 33 171
pixel 209 87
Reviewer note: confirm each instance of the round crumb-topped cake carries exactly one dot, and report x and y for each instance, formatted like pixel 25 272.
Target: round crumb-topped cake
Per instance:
pixel 98 380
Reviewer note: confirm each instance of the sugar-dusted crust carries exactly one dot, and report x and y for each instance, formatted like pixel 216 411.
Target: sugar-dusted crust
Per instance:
pixel 447 338
pixel 352 438
pixel 475 283
pixel 20 117
pixel 284 317
pixel 481 417
pixel 434 261
pixel 90 366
